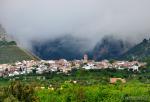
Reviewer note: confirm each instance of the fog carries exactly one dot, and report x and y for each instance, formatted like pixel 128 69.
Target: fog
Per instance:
pixel 42 20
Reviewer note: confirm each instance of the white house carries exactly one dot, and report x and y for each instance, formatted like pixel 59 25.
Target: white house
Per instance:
pixel 16 73
pixel 135 68
pixel 89 66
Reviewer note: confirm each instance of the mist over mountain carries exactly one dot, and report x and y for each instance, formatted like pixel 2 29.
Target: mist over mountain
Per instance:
pixel 45 20
pixel 2 30
pixel 110 48
pixel 67 47
pixel 41 26
pixel 138 52
pixel 71 48
pixel 10 52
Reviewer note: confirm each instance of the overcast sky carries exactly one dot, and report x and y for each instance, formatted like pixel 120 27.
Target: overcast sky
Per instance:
pixel 93 19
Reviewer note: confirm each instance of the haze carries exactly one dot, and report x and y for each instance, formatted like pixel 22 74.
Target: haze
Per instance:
pixel 43 20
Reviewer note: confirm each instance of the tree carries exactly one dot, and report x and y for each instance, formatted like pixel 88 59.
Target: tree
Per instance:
pixel 17 91
pixel 12 43
pixel 145 41
pixel 112 61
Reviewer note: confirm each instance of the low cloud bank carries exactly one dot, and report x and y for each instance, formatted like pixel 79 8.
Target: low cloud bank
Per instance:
pixel 42 20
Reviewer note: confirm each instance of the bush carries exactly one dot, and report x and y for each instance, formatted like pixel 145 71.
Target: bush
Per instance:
pixel 18 92
pixel 12 43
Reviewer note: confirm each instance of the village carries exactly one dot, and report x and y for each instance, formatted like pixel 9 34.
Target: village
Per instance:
pixel 64 66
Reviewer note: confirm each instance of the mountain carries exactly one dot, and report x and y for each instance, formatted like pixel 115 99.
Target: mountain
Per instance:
pixel 70 48
pixel 10 52
pixel 139 51
pixel 110 48
pixel 67 47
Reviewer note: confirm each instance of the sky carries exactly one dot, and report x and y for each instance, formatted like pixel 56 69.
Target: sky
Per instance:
pixel 42 20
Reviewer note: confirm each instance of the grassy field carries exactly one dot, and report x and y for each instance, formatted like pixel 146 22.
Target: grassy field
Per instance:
pixel 12 53
pixel 94 86
pixel 91 86
pixel 133 91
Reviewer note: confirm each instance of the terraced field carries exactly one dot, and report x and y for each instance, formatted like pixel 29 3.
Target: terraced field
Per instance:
pixel 12 53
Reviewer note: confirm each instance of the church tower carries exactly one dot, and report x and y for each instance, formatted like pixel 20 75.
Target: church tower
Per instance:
pixel 85 58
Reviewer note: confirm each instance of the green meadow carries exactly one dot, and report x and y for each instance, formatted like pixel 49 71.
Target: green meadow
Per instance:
pixel 77 86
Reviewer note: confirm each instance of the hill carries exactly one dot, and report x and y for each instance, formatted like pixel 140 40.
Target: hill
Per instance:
pixel 70 48
pixel 67 47
pixel 139 51
pixel 10 52
pixel 110 48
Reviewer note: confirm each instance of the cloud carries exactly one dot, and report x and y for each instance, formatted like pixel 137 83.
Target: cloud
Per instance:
pixel 42 20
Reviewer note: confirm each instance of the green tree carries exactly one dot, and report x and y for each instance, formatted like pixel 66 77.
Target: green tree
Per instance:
pixel 19 91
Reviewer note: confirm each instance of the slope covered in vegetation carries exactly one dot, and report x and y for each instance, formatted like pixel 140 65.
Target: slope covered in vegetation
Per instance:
pixel 10 52
pixel 139 52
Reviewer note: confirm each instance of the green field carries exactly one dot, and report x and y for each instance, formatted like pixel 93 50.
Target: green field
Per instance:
pixel 91 86
pixel 133 91
pixel 10 53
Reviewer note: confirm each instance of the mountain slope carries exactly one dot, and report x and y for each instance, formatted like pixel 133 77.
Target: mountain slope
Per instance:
pixel 139 51
pixel 70 48
pixel 10 53
pixel 110 48
pixel 66 47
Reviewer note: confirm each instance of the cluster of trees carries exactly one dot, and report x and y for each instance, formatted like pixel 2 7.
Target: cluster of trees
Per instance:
pixel 131 92
pixel 18 92
pixel 5 43
pixel 84 77
pixel 91 86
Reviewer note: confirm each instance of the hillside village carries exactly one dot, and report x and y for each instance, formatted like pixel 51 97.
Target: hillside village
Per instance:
pixel 61 66
pixel 64 66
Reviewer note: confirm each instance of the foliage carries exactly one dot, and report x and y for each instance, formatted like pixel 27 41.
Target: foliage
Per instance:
pixel 10 53
pixel 138 52
pixel 97 93
pixel 5 43
pixel 18 92
pixel 91 86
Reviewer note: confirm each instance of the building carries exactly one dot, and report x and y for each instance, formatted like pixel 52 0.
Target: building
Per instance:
pixel 114 80
pixel 85 58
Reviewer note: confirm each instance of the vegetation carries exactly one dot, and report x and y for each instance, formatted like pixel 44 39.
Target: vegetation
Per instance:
pixel 89 86
pixel 18 92
pixel 5 43
pixel 139 52
pixel 130 92
pixel 10 53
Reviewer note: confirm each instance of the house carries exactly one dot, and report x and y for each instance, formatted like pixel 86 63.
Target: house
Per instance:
pixel 121 68
pixel 39 70
pixel 54 68
pixel 51 62
pixel 89 66
pixel 104 64
pixel 114 80
pixel 16 73
pixel 134 68
pixel 85 58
